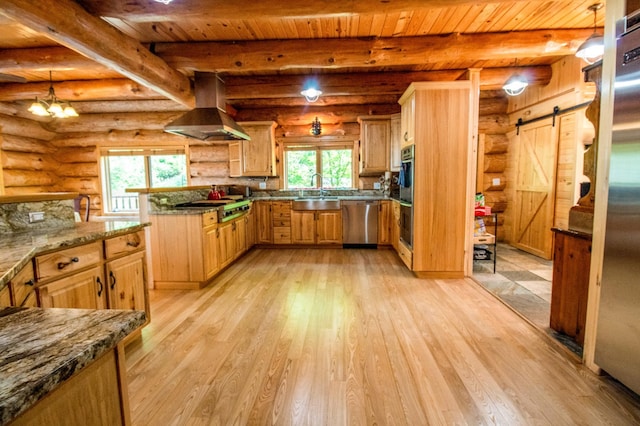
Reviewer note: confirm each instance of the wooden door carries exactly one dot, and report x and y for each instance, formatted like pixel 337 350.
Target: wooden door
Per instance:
pixel 84 290
pixel 374 140
pixel 239 236
pixel 126 282
pixel 533 203
pixel 226 244
pixel 384 223
pixel 303 227
pixel 329 227
pixel 263 222
pixel 210 250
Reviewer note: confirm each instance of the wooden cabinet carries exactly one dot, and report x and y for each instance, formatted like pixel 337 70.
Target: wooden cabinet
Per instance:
pixel 329 227
pixel 62 262
pixel 210 250
pixel 21 288
pixel 570 284
pixel 226 244
pixel 85 290
pixel 127 283
pixel 281 221
pixel 240 236
pixel 395 142
pixel 264 226
pixel 5 297
pixel 407 119
pixel 375 136
pixel 256 157
pixel 436 117
pixel 250 228
pixel 316 227
pixel 395 224
pixel 384 222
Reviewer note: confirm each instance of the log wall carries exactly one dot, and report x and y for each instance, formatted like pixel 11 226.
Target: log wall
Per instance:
pixel 27 165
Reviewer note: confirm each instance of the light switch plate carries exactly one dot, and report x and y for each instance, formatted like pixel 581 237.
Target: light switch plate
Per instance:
pixel 262 185
pixel 376 185
pixel 495 181
pixel 36 217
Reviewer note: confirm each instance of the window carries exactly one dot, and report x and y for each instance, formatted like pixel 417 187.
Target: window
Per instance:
pixel 124 168
pixel 306 163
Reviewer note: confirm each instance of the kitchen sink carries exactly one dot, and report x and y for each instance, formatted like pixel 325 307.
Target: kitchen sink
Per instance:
pixel 316 203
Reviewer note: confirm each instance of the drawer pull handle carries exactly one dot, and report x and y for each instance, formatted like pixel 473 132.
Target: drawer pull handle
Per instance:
pixel 133 243
pixel 30 282
pixel 62 265
pixel 100 288
pixel 406 136
pixel 112 277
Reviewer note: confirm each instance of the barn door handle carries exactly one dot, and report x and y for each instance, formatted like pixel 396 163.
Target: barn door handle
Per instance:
pixel 112 277
pixel 62 265
pixel 100 287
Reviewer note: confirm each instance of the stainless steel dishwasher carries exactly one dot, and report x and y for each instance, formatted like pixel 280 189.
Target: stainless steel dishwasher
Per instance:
pixel 359 222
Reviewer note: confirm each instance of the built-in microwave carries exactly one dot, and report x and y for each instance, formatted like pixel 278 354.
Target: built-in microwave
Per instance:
pixel 405 176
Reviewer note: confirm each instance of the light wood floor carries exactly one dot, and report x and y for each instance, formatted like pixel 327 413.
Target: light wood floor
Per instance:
pixel 350 337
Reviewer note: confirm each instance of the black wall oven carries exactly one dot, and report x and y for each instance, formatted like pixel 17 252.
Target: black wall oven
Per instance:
pixel 405 182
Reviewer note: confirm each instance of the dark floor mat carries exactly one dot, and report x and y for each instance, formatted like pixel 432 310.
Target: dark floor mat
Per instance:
pixel 521 276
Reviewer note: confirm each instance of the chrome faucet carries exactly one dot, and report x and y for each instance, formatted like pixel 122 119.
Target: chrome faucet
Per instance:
pixel 322 191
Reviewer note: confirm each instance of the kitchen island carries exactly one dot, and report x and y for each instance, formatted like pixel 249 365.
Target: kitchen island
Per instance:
pixel 64 366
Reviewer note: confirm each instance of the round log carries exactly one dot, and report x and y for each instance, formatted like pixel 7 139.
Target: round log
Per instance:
pixel 78 170
pixel 495 143
pixel 495 163
pixel 25 161
pixel 85 185
pixel 494 123
pixel 77 155
pixel 21 126
pixel 209 154
pixel 489 106
pixel 212 170
pixel 29 178
pixel 489 185
pixel 23 144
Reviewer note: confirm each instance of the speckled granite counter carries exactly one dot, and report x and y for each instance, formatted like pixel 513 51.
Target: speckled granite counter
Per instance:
pixel 41 348
pixel 17 249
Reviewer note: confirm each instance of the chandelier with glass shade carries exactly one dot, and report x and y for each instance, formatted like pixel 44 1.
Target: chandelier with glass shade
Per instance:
pixel 51 106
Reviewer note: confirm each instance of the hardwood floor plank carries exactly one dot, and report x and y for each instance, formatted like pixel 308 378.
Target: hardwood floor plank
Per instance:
pixel 351 337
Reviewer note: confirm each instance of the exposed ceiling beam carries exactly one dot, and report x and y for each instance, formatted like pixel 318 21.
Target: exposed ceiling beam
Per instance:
pixel 82 90
pixel 273 55
pixel 148 11
pixel 67 23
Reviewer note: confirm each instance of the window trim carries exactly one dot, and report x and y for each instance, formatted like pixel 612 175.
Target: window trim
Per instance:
pixel 321 143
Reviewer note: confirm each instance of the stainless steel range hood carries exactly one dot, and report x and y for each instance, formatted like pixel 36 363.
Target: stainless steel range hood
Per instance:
pixel 209 120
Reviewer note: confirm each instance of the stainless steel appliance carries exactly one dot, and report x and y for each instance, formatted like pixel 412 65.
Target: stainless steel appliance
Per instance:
pixel 618 334
pixel 405 182
pixel 226 209
pixel 405 177
pixel 359 222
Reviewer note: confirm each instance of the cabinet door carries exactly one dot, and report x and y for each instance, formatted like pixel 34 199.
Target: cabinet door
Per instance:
pixel 226 244
pixel 5 296
pixel 235 159
pixel 85 290
pixel 239 236
pixel 303 227
pixel 395 224
pixel 408 121
pixel 395 143
pixel 210 250
pixel 127 282
pixel 374 146
pixel 22 287
pixel 263 222
pixel 384 222
pixel 258 154
pixel 250 225
pixel 329 227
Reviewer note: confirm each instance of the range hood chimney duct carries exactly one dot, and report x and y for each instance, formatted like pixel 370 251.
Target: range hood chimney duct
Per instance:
pixel 209 120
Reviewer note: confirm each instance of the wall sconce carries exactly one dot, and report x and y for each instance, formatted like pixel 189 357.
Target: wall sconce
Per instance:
pixel 316 127
pixel 52 106
pixel 593 48
pixel 311 94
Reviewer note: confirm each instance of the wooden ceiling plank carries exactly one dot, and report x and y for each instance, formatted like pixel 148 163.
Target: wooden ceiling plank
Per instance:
pixel 67 23
pixel 337 53
pixel 147 11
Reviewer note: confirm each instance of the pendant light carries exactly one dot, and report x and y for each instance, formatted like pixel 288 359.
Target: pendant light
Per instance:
pixel 516 84
pixel 52 106
pixel 593 48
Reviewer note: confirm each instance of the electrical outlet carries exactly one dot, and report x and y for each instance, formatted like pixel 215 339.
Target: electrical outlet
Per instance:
pixel 36 217
pixel 262 185
pixel 376 185
pixel 496 181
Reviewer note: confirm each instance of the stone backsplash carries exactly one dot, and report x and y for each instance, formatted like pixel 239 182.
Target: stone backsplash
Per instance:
pixel 14 217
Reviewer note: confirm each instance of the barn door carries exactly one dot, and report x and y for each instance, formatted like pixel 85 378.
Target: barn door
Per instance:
pixel 535 188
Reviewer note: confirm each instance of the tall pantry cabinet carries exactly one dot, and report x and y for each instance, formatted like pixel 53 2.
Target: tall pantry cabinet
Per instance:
pixel 436 118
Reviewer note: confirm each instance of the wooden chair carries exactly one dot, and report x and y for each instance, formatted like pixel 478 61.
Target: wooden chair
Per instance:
pixel 77 202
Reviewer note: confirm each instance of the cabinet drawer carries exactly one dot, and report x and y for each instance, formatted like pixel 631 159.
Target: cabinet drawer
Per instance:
pixel 63 261
pixel 283 222
pixel 281 209
pixel 282 235
pixel 124 244
pixel 22 287
pixel 405 254
pixel 210 218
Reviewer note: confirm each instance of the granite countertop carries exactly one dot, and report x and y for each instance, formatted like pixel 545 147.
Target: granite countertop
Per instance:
pixel 41 348
pixel 17 249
